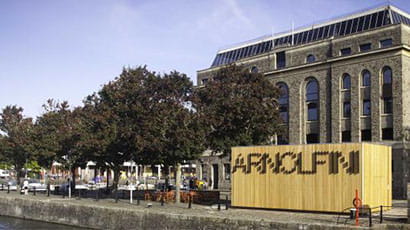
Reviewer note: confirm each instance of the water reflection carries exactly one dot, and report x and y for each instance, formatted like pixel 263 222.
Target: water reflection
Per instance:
pixel 9 223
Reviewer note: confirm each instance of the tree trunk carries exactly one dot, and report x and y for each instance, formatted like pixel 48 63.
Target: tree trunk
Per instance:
pixel 73 178
pixel 166 172
pixel 108 178
pixel 18 171
pixel 116 177
pixel 178 183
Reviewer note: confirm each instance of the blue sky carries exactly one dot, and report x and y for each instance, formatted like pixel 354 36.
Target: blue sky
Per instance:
pixel 67 49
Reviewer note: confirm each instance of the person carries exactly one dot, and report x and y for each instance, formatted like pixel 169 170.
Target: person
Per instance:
pixel 191 183
pixel 25 187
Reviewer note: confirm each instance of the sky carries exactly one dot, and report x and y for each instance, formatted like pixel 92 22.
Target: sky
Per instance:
pixel 67 49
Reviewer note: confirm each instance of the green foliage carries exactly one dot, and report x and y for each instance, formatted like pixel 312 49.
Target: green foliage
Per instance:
pixel 33 167
pixel 16 146
pixel 144 117
pixel 59 131
pixel 240 109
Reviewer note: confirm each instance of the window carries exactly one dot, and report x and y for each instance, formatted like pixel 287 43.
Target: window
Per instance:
pixel 312 91
pixel 386 43
pixel 387 134
pixel 284 101
pixel 312 100
pixel 283 112
pixel 388 105
pixel 346 109
pixel 387 90
pixel 346 51
pixel 346 136
pixel 312 138
pixel 366 135
pixel 365 47
pixel 204 81
pixel 366 80
pixel 254 69
pixel 310 58
pixel 282 140
pixel 312 112
pixel 280 60
pixel 366 108
pixel 227 171
pixel 346 81
pixel 387 76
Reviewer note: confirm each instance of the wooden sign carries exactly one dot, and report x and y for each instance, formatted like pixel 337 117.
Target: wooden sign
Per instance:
pixel 319 177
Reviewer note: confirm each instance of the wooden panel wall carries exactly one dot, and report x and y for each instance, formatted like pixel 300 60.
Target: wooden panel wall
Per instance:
pixel 320 177
pixel 378 177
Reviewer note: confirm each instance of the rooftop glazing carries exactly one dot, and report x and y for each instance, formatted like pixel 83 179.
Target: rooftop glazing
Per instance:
pixel 353 23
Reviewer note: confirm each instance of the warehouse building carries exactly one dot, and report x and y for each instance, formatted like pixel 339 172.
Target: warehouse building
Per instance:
pixel 344 80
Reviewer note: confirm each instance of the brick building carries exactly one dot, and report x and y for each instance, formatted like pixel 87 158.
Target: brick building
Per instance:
pixel 344 80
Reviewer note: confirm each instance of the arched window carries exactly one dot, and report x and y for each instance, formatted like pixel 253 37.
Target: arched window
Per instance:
pixel 387 75
pixel 284 101
pixel 310 58
pixel 387 93
pixel 254 69
pixel 366 78
pixel 387 97
pixel 312 100
pixel 346 81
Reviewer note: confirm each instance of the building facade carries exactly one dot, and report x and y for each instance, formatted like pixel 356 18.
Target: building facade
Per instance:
pixel 345 80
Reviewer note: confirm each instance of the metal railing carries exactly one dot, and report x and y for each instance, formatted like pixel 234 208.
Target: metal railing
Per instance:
pixel 369 213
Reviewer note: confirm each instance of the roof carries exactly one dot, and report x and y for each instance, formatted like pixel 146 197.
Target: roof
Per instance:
pixel 342 26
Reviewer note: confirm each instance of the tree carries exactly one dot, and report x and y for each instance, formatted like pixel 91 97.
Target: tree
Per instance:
pixel 16 144
pixel 117 113
pixel 240 109
pixel 59 134
pixel 144 117
pixel 175 126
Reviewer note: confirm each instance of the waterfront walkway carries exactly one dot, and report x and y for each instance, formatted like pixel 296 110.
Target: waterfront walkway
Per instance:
pixel 395 218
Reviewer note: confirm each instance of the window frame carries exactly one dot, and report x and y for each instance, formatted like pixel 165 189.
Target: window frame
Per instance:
pixel 310 58
pixel 364 102
pixel 364 72
pixel 383 45
pixel 345 51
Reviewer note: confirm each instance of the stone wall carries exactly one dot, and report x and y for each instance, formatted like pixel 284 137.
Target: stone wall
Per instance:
pixel 99 217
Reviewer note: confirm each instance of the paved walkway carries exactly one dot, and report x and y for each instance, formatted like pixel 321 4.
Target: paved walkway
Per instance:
pixel 395 216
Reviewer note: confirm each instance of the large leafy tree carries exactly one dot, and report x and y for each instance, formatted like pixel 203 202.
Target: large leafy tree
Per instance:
pixel 176 127
pixel 145 117
pixel 117 114
pixel 176 124
pixel 240 109
pixel 16 145
pixel 60 132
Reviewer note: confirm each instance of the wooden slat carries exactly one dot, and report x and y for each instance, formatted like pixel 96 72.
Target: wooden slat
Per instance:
pixel 365 167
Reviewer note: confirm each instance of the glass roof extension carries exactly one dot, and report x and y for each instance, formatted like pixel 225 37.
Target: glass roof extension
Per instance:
pixel 364 21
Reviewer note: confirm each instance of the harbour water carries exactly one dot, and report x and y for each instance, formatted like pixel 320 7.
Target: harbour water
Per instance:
pixel 9 223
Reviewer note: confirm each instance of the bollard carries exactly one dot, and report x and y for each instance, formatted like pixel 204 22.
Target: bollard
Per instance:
pixel 226 202
pixel 219 203
pixel 8 188
pixel 189 200
pixel 370 218
pixel 116 195
pixel 2 187
pixel 138 200
pixel 34 190
pixel 48 189
pixel 96 194
pixel 381 213
pixel 162 199
pixel 79 194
